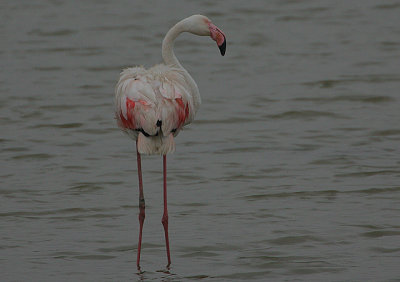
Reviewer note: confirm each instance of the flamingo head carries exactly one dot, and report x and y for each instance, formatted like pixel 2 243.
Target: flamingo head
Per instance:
pixel 201 25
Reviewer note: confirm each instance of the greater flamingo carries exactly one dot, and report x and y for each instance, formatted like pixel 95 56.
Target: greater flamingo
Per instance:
pixel 153 105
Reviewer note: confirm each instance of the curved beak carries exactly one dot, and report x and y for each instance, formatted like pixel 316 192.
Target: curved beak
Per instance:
pixel 218 36
pixel 222 47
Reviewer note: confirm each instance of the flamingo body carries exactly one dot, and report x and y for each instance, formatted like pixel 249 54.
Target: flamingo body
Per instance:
pixel 153 105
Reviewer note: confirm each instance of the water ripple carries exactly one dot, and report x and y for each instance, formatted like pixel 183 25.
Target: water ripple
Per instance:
pixel 305 114
pixel 57 32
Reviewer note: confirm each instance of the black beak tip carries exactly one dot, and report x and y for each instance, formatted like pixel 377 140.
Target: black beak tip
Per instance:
pixel 222 47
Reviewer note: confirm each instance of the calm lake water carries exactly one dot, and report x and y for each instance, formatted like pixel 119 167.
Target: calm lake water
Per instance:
pixel 290 172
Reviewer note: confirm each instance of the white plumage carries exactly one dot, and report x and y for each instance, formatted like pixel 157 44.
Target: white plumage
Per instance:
pixel 144 97
pixel 153 105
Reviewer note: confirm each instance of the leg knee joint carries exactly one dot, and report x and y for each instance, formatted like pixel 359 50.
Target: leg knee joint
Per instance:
pixel 141 204
pixel 164 219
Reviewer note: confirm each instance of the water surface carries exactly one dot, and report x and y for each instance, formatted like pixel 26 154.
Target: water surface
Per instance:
pixel 290 171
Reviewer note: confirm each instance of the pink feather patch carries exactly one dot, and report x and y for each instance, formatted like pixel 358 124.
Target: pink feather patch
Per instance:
pixel 129 121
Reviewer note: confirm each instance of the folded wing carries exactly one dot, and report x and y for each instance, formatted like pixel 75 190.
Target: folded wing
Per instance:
pixel 151 100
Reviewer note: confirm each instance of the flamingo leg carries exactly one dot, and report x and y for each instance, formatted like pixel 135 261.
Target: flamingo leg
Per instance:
pixel 165 215
pixel 141 205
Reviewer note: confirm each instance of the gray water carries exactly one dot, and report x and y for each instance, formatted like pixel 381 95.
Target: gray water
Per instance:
pixel 291 170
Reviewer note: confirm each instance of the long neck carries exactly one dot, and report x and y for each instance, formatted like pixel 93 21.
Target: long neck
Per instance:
pixel 170 59
pixel 168 54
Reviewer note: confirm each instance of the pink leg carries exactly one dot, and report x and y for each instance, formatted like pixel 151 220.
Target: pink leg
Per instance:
pixel 165 215
pixel 141 206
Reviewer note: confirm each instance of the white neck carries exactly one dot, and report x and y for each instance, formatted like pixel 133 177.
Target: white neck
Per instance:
pixel 170 59
pixel 168 54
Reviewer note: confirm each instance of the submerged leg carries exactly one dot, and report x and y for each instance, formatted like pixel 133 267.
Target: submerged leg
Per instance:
pixel 165 215
pixel 141 206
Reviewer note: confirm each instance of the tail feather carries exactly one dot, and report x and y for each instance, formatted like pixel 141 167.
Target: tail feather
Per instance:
pixel 155 145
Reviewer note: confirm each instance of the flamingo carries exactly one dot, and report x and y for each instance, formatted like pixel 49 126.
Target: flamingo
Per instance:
pixel 153 105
